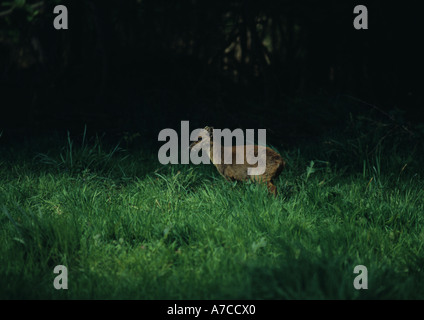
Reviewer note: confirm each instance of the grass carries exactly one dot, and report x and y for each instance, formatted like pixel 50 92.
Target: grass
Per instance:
pixel 128 228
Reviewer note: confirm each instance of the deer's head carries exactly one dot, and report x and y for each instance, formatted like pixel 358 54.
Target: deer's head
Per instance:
pixel 205 137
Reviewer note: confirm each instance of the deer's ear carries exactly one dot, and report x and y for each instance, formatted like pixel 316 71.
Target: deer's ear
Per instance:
pixel 209 130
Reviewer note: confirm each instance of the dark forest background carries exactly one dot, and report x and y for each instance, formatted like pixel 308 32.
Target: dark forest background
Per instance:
pixel 296 68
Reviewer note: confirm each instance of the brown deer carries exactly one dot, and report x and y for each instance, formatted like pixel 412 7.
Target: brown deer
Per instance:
pixel 274 162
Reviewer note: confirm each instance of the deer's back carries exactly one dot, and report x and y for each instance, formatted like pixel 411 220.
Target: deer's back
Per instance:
pixel 274 163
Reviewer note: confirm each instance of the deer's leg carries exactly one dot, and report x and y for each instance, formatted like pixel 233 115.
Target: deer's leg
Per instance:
pixel 272 188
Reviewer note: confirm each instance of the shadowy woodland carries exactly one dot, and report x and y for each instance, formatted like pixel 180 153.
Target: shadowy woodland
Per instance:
pixel 297 68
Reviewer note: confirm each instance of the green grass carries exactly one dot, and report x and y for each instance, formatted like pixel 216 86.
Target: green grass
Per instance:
pixel 128 228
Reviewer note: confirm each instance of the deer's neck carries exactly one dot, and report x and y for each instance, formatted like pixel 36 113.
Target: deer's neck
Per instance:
pixel 219 166
pixel 220 158
pixel 211 152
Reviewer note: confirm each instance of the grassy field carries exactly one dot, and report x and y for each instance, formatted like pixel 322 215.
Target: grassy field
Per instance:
pixel 127 227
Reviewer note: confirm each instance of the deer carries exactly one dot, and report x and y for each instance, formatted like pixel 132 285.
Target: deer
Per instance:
pixel 231 172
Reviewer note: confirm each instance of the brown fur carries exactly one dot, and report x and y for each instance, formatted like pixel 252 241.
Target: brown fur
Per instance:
pixel 274 164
